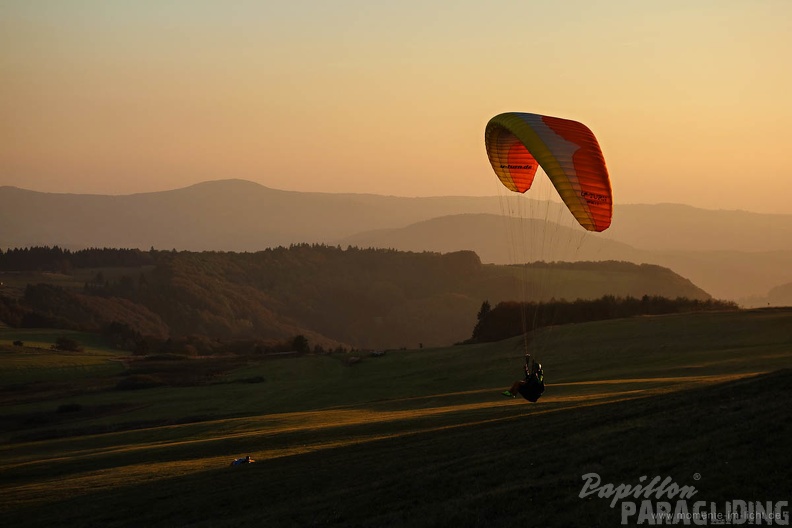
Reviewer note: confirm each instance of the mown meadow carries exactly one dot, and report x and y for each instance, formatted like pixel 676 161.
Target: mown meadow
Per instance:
pixel 409 438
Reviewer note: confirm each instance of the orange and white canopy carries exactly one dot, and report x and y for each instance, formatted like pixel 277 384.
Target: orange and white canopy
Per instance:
pixel 518 143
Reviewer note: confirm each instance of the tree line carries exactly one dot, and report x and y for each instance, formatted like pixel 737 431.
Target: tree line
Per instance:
pixel 510 319
pixel 60 260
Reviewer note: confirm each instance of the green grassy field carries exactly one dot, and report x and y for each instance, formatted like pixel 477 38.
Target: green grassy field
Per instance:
pixel 413 438
pixel 36 362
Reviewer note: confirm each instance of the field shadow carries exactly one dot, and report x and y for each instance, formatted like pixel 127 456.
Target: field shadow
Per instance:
pixel 518 468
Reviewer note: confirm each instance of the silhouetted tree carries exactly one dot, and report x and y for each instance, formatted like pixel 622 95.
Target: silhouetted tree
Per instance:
pixel 300 344
pixel 485 309
pixel 67 344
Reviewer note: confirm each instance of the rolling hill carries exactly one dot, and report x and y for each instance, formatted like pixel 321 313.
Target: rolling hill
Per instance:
pixel 229 215
pixel 361 298
pixel 745 276
pixel 732 254
pixel 411 438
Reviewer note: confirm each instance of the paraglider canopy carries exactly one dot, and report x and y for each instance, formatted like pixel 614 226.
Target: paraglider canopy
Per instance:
pixel 518 143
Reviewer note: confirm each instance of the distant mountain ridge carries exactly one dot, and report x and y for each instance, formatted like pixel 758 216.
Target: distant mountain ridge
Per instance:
pixel 228 215
pixel 725 274
pixel 487 235
pixel 731 254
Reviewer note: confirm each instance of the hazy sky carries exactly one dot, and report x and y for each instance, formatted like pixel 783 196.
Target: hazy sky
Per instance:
pixel 691 100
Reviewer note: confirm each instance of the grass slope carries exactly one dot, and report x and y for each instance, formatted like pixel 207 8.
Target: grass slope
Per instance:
pixel 422 438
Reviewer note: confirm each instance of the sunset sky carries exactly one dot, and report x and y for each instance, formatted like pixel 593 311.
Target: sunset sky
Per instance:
pixel 691 100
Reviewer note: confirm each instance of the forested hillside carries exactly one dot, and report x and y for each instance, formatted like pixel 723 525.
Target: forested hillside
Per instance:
pixel 331 296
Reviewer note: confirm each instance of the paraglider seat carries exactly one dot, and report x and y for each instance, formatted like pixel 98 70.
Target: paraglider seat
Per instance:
pixel 532 389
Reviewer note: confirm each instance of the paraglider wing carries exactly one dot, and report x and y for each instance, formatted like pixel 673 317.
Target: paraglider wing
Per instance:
pixel 517 143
